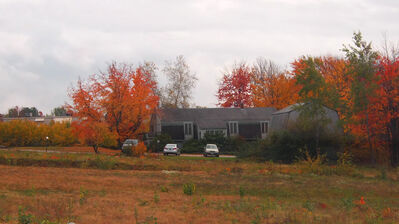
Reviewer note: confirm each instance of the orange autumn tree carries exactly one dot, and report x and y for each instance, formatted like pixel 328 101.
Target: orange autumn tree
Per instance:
pixel 235 87
pixel 91 128
pixel 272 87
pixel 122 100
pixel 334 78
pixel 335 72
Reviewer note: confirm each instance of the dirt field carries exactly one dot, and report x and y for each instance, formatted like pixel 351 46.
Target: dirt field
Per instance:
pixel 226 191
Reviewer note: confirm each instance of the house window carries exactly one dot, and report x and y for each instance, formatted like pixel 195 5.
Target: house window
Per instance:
pixel 233 127
pixel 188 128
pixel 264 126
pixel 214 132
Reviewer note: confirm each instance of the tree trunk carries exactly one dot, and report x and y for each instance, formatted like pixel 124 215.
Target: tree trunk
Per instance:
pixel 394 142
pixel 95 147
pixel 373 154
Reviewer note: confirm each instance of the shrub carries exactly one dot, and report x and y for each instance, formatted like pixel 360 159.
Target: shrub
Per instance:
pixel 225 144
pixel 241 191
pixel 24 218
pixel 217 138
pixel 164 189
pixel 234 145
pixel 139 149
pixel 29 133
pixel 285 146
pixel 193 146
pixel 127 151
pixel 106 163
pixel 189 188
pixel 83 195
pixel 157 143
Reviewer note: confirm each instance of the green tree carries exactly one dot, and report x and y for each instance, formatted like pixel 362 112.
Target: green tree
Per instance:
pixel 28 112
pixel 313 94
pixel 362 60
pixel 13 112
pixel 59 111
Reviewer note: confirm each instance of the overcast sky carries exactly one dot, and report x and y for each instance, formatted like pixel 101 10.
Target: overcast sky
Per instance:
pixel 46 45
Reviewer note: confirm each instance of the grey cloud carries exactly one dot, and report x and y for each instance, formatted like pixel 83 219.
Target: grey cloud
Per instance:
pixel 46 45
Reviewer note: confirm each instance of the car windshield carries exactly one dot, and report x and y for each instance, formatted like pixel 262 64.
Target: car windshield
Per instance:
pixel 211 147
pixel 171 146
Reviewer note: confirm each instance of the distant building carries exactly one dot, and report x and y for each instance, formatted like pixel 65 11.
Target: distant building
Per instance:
pixel 42 120
pixel 193 123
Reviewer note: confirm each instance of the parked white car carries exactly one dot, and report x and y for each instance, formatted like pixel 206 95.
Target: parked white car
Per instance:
pixel 211 150
pixel 171 149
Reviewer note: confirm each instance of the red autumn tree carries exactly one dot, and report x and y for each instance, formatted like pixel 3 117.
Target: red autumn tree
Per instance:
pixel 235 87
pixel 386 106
pixel 122 99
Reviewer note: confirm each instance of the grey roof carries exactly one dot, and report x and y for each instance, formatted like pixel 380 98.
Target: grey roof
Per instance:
pixel 209 124
pixel 288 109
pixel 294 107
pixel 216 117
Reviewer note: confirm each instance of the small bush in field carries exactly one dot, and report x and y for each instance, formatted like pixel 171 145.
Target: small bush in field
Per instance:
pixel 347 203
pixel 189 188
pixel 83 196
pixel 383 174
pixel 24 218
pixel 127 151
pixel 164 189
pixel 344 159
pixel 104 163
pixel 241 191
pixel 312 164
pixel 139 149
pixel 309 205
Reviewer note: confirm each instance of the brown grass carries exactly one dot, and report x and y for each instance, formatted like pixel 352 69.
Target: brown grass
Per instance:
pixel 227 191
pixel 80 149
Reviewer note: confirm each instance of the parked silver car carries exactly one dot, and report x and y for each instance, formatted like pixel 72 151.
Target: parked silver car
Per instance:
pixel 129 143
pixel 211 150
pixel 171 149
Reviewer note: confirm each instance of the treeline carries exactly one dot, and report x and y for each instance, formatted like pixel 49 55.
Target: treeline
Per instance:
pixel 34 112
pixel 29 133
pixel 362 86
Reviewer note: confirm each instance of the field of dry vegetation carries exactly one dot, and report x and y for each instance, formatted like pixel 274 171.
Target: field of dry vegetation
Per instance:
pixel 85 188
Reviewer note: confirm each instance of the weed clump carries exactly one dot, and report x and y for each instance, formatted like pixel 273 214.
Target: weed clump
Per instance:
pixel 83 196
pixel 241 191
pixel 164 189
pixel 156 197
pixel 24 218
pixel 189 189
